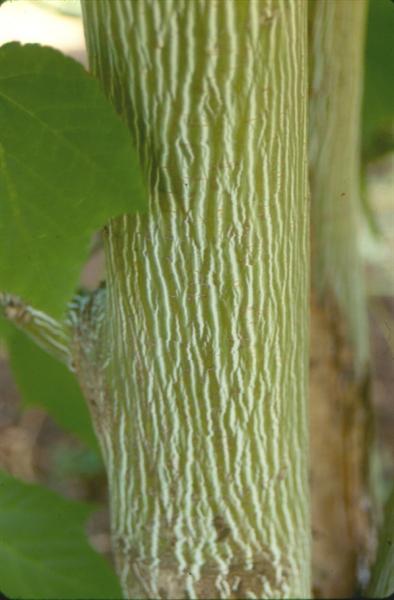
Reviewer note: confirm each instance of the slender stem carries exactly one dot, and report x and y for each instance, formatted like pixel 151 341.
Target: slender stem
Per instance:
pixel 339 379
pixel 336 55
pixel 51 335
pixel 382 579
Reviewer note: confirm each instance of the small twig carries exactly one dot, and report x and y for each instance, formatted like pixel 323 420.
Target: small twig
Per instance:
pixel 51 335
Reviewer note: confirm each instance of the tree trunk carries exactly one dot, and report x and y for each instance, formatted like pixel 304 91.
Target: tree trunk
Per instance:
pixel 195 366
pixel 340 414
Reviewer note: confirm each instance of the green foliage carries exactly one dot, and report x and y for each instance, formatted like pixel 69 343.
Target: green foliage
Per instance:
pixel 5 329
pixel 43 550
pixel 378 105
pixel 44 381
pixel 67 165
pixel 69 461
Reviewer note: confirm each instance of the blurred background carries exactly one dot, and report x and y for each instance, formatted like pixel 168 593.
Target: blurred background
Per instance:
pixel 45 432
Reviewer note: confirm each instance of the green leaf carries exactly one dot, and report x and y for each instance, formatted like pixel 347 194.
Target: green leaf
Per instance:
pixel 67 165
pixel 69 461
pixel 43 549
pixel 378 103
pixel 46 382
pixel 5 328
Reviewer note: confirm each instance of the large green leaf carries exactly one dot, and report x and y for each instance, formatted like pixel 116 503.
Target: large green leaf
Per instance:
pixel 67 165
pixel 378 105
pixel 43 549
pixel 46 382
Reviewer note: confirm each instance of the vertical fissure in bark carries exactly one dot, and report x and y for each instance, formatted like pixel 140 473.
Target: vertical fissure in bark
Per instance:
pixel 206 425
pixel 340 412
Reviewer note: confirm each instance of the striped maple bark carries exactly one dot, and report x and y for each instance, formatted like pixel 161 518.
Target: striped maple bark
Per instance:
pixel 340 412
pixel 195 366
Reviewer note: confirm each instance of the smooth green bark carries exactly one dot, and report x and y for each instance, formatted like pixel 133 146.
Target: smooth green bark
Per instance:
pixel 337 33
pixel 341 419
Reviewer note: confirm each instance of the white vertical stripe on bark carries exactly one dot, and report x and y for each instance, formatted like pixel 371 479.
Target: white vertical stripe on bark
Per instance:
pixel 205 433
